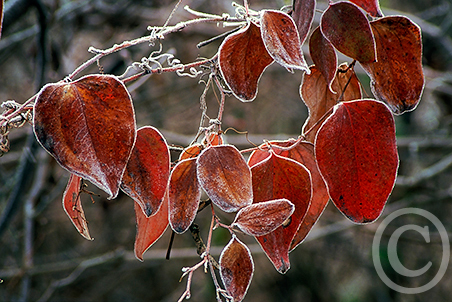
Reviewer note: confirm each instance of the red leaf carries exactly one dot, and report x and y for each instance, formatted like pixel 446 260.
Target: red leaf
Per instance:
pixel 303 14
pixel 212 139
pixel 191 152
pixel 242 59
pixel 348 29
pixel 149 229
pixel 184 195
pixel 303 152
pixel 319 99
pixel 277 177
pixel 226 178
pixel 281 39
pixel 357 156
pixel 397 76
pixel 147 172
pixel 264 217
pixel 88 126
pixel 370 6
pixel 324 56
pixel 72 205
pixel 236 268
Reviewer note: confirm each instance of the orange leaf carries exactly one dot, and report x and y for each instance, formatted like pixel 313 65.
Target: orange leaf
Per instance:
pixel 282 40
pixel 225 176
pixel 212 139
pixel 242 60
pixel 72 205
pixel 357 156
pixel 348 29
pixel 149 229
pixel 88 126
pixel 397 76
pixel 324 56
pixel 370 6
pixel 147 172
pixel 184 195
pixel 303 14
pixel 191 151
pixel 236 268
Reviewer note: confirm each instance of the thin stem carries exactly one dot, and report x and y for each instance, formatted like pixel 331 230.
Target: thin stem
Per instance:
pixel 319 121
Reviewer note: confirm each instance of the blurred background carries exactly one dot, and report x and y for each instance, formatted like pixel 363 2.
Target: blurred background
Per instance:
pixel 43 258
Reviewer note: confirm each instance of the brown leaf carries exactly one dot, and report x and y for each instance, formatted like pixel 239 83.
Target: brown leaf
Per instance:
pixel 72 205
pixel 149 229
pixel 225 176
pixel 184 195
pixel 357 156
pixel 264 217
pixel 319 99
pixel 242 60
pixel 324 56
pixel 236 268
pixel 348 29
pixel 397 76
pixel 370 6
pixel 282 40
pixel 88 126
pixel 147 172
pixel 303 14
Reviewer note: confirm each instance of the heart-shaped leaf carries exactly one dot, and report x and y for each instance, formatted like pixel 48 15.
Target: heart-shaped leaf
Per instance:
pixel 357 156
pixel 370 6
pixel 225 176
pixel 264 217
pixel 149 229
pixel 324 56
pixel 397 76
pixel 348 29
pixel 303 14
pixel 277 177
pixel 282 40
pixel 147 172
pixel 236 268
pixel 72 205
pixel 319 99
pixel 184 195
pixel 88 126
pixel 242 60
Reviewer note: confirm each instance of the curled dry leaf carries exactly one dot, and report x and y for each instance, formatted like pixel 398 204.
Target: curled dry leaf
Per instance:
pixel 397 76
pixel 357 156
pixel 370 6
pixel 242 60
pixel 319 99
pixel 147 172
pixel 72 205
pixel 277 177
pixel 236 268
pixel 303 14
pixel 225 176
pixel 184 195
pixel 348 29
pixel 324 56
pixel 282 40
pixel 264 217
pixel 88 126
pixel 149 229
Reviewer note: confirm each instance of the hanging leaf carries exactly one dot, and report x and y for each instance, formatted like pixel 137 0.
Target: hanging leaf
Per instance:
pixel 236 268
pixel 348 29
pixel 277 177
pixel 264 217
pixel 303 14
pixel 88 126
pixel 397 76
pixel 242 60
pixel 282 40
pixel 370 6
pixel 147 172
pixel 302 152
pixel 324 56
pixel 225 176
pixel 319 99
pixel 191 152
pixel 184 195
pixel 212 139
pixel 357 156
pixel 149 229
pixel 72 205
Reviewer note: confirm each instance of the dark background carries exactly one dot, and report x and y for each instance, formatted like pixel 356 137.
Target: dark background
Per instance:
pixel 42 257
